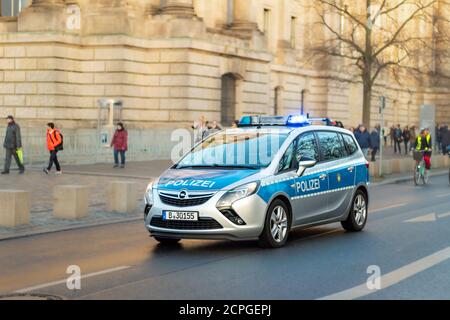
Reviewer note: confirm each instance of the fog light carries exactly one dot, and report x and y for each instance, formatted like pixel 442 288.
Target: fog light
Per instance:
pixel 231 215
pixel 146 211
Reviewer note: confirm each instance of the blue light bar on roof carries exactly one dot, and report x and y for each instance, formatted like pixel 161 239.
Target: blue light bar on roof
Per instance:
pixel 293 120
pixel 299 120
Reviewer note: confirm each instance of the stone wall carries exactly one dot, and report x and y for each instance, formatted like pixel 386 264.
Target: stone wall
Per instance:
pixel 166 63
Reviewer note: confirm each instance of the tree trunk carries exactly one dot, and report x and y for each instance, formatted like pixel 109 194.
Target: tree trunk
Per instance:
pixel 367 100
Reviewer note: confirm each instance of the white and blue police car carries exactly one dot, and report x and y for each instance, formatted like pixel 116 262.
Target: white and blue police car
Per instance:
pixel 270 175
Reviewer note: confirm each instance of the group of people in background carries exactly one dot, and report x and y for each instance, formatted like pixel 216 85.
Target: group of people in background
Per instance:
pixel 403 140
pixel 399 136
pixel 203 128
pixel 55 144
pixel 368 141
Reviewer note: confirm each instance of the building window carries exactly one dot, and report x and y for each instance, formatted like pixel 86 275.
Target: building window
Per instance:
pixel 266 26
pixel 11 8
pixel 293 31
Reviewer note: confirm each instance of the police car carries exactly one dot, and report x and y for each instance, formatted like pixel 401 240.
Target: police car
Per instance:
pixel 270 175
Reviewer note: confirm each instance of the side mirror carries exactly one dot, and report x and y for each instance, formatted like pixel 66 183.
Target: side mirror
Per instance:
pixel 303 165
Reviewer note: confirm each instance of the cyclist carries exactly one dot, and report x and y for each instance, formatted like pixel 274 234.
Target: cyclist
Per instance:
pixel 424 144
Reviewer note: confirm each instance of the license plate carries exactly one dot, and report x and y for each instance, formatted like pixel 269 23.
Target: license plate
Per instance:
pixel 180 215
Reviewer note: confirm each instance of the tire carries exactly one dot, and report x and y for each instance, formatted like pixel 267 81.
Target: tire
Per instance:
pixel 357 217
pixel 416 177
pixel 426 177
pixel 276 226
pixel 167 241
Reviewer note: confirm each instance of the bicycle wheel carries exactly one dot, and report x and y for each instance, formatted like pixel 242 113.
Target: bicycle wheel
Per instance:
pixel 417 175
pixel 426 177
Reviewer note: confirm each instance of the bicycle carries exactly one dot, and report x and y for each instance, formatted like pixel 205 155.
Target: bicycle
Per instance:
pixel 421 173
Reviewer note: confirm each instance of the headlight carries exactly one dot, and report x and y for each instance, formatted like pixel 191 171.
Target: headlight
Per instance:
pixel 236 194
pixel 149 194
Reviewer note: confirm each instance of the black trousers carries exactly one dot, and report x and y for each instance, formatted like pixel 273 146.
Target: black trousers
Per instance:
pixel 374 153
pixel 397 146
pixel 12 153
pixel 54 160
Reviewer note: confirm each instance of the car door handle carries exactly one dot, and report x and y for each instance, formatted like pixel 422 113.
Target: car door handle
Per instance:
pixel 350 169
pixel 322 176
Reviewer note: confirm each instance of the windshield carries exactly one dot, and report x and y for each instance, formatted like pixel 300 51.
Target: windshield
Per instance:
pixel 246 149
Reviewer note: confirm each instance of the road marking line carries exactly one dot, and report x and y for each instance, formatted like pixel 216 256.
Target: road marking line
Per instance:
pixel 443 195
pixel 430 217
pixel 388 207
pixel 444 215
pixel 54 283
pixel 393 277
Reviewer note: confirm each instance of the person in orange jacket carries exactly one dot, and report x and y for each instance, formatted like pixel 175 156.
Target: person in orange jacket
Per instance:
pixel 54 144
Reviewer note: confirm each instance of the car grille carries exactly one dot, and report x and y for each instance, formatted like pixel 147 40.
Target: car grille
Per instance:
pixel 201 224
pixel 193 200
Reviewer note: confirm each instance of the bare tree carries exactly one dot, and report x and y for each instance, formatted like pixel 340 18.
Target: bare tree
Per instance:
pixel 379 36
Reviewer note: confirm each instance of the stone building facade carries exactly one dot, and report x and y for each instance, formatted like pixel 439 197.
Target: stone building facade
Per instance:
pixel 172 61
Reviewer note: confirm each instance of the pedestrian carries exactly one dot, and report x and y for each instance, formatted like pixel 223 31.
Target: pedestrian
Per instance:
pixel 374 143
pixel 441 135
pixel 385 135
pixel 213 129
pixel 412 137
pixel 363 139
pixel 392 135
pixel 54 145
pixel 120 144
pixel 445 139
pixel 406 137
pixel 199 129
pixel 12 145
pixel 437 133
pixel 352 129
pixel 398 139
pixel 235 124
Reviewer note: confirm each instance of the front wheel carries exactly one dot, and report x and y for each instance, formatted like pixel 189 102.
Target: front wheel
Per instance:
pixel 417 175
pixel 276 226
pixel 357 216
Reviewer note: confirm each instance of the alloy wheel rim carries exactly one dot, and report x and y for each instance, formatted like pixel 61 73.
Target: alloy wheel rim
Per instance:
pixel 278 224
pixel 360 210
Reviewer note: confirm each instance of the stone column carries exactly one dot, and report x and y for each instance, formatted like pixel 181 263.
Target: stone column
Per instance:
pixel 244 15
pixel 183 8
pixel 43 15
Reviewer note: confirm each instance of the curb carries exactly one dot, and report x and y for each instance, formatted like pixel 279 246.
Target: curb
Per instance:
pixel 68 228
pixel 406 178
pixel 100 174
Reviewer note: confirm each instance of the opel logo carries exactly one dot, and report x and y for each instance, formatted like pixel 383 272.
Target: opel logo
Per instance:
pixel 183 194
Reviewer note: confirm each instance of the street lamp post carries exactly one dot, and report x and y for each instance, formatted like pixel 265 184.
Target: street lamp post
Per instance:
pixel 382 106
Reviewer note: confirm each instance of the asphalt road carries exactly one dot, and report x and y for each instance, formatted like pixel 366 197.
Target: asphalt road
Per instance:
pixel 407 239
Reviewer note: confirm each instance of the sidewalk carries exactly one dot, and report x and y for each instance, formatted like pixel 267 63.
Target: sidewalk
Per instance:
pixel 97 177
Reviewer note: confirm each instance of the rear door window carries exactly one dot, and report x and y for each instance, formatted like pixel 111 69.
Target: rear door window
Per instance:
pixel 331 147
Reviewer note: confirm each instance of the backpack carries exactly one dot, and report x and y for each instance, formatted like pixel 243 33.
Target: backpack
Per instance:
pixel 60 147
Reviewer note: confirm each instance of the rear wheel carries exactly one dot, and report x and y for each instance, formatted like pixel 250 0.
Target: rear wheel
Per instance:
pixel 276 227
pixel 425 177
pixel 167 241
pixel 357 217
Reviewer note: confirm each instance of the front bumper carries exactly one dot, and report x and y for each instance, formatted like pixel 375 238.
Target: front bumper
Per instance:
pixel 251 209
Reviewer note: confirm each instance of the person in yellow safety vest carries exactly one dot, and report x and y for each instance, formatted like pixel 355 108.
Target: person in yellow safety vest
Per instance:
pixel 424 143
